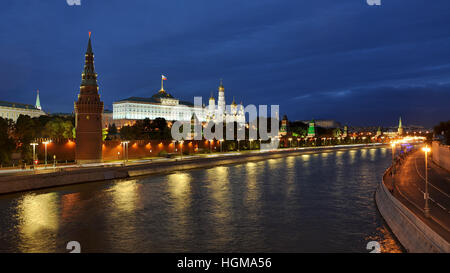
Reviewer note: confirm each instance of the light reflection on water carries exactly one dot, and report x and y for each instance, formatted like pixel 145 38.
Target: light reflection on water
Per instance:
pixel 309 203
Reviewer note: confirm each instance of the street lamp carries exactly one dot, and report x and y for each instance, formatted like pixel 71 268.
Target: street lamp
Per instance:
pixel 34 154
pixel 426 149
pixel 181 148
pixel 125 151
pixel 46 143
pixel 251 140
pixel 290 142
pixel 393 163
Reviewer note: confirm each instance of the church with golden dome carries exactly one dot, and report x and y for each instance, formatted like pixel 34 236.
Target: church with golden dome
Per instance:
pixel 222 113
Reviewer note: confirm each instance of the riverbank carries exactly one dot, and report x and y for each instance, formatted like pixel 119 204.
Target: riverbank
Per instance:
pixel 64 177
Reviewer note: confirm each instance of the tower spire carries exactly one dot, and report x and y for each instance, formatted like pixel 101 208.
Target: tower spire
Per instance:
pixel 400 128
pixel 89 77
pixel 38 101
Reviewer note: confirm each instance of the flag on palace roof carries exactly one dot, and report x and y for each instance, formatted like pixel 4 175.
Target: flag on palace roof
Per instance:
pixel 163 77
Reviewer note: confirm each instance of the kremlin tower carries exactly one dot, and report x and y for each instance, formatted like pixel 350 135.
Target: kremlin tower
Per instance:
pixel 400 127
pixel 88 114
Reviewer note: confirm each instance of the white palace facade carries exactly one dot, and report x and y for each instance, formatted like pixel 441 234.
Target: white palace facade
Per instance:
pixel 164 105
pixel 12 110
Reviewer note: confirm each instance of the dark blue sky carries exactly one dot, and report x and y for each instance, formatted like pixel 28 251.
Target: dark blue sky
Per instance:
pixel 344 60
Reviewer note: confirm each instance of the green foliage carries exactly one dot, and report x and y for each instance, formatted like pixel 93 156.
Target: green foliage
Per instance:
pixel 104 133
pixel 337 132
pixel 6 141
pixel 58 129
pixel 25 133
pixel 147 129
pixel 112 129
pixel 298 128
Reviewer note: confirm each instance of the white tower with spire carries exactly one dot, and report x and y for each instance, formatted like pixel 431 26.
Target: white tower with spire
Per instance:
pixel 221 101
pixel 212 108
pixel 38 101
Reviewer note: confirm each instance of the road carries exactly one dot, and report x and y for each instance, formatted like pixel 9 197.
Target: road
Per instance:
pixel 410 189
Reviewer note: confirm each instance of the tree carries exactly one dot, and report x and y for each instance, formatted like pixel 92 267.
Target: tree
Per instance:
pixel 443 128
pixel 6 141
pixel 25 133
pixel 128 132
pixel 58 129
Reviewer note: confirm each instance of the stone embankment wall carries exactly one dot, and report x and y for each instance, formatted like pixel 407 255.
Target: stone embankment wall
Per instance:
pixel 413 233
pixel 441 155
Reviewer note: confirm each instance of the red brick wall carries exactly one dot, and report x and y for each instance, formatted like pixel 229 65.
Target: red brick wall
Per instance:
pixel 65 150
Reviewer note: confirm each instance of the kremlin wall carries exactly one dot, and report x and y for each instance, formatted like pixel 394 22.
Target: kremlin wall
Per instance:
pixel 113 149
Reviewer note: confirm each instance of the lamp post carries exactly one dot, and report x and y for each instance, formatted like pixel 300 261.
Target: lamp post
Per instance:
pixel 290 142
pixel 393 163
pixel 181 149
pixel 34 154
pixel 46 143
pixel 125 151
pixel 426 149
pixel 251 140
pixel 221 142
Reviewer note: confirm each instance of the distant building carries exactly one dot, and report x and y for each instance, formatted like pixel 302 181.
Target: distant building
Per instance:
pixel 379 132
pixel 345 134
pixel 325 123
pixel 284 126
pixel 220 113
pixel 107 118
pixel 400 128
pixel 312 129
pixel 12 110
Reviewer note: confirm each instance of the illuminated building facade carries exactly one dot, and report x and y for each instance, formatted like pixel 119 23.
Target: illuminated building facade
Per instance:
pixel 164 105
pixel 12 110
pixel 400 128
pixel 220 113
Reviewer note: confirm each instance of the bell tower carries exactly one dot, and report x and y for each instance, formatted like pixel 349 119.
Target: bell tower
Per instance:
pixel 88 114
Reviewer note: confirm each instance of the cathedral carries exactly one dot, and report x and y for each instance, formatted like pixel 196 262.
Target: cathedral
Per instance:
pixel 220 113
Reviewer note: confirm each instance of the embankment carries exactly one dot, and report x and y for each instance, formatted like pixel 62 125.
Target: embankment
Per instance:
pixel 410 230
pixel 63 177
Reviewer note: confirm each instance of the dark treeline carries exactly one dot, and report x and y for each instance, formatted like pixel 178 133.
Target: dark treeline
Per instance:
pixel 17 136
pixel 442 130
pixel 143 130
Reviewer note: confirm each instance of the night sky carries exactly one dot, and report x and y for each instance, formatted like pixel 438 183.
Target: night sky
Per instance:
pixel 343 60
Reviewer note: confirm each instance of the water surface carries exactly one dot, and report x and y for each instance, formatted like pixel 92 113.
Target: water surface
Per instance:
pixel 320 202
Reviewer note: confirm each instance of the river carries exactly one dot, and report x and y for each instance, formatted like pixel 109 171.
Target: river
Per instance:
pixel 321 202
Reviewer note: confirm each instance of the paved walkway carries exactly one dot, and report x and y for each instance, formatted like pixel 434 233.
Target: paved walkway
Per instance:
pixel 410 189
pixel 68 167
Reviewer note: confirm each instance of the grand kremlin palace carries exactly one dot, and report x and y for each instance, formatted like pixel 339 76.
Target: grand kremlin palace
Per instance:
pixel 164 105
